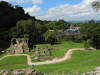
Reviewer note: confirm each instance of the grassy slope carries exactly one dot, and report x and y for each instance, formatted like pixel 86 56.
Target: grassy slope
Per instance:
pixel 13 62
pixel 69 66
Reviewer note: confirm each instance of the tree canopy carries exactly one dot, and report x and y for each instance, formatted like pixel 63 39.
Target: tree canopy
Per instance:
pixel 50 37
pixel 96 5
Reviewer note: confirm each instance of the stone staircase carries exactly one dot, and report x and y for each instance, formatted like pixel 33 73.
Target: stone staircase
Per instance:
pixel 18 49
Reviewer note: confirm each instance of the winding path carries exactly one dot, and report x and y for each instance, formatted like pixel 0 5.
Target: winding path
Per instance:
pixel 67 56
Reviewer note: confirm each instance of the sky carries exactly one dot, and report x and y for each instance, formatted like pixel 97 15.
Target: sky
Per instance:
pixel 67 10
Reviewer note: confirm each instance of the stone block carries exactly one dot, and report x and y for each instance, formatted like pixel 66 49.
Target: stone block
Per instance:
pixel 26 50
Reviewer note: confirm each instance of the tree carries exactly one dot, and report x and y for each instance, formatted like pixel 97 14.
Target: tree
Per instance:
pixel 78 39
pixel 86 45
pixel 22 29
pixel 9 16
pixel 95 37
pixel 96 5
pixel 50 37
pixel 39 30
pixel 50 25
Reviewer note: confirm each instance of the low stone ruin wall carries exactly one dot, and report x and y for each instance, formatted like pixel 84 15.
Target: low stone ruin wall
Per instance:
pixel 92 60
pixel 12 46
pixel 28 71
pixel 44 55
pixel 9 51
pixel 51 49
pixel 25 46
pixel 26 50
pixel 48 58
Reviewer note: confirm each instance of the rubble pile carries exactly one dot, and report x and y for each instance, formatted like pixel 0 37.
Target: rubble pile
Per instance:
pixel 28 71
pixel 96 71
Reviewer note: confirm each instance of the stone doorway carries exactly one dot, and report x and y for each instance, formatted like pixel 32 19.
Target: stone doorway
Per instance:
pixel 14 41
pixel 20 41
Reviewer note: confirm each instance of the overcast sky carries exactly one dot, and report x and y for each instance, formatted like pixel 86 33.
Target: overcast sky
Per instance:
pixel 59 9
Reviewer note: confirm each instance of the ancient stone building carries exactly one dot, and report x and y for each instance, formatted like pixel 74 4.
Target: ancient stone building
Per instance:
pixel 19 45
pixel 72 31
pixel 72 26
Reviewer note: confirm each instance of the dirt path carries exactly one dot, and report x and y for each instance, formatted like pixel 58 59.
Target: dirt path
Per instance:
pixel 67 56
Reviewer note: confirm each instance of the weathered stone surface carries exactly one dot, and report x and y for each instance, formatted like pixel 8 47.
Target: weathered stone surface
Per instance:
pixel 49 58
pixel 20 47
pixel 94 72
pixel 30 71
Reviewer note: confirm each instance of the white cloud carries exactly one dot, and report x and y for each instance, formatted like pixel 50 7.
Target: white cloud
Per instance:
pixel 7 0
pixel 37 1
pixel 34 1
pixel 82 11
pixel 33 11
pixel 21 1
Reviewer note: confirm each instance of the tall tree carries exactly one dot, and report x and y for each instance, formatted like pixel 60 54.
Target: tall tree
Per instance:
pixel 22 29
pixel 9 16
pixel 50 37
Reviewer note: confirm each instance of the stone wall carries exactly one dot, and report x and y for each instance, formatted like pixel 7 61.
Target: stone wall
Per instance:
pixel 18 49
pixel 30 71
pixel 9 51
pixel 25 46
pixel 26 50
pixel 12 46
pixel 49 58
pixel 44 55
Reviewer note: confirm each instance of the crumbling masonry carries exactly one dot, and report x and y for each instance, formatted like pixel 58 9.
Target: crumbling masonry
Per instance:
pixel 18 45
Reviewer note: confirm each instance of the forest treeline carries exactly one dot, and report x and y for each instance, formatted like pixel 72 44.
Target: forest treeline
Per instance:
pixel 14 23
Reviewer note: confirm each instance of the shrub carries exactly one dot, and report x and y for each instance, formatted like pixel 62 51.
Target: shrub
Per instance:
pixel 86 45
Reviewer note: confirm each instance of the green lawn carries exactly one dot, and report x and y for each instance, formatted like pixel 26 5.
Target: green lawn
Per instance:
pixel 46 52
pixel 40 51
pixel 69 66
pixel 74 64
pixel 29 53
pixel 3 54
pixel 13 62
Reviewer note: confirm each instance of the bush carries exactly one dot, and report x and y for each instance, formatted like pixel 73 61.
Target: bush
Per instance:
pixel 86 45
pixel 68 38
pixel 78 39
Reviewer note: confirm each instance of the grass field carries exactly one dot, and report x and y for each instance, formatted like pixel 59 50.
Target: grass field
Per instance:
pixel 73 65
pixel 70 66
pixel 40 51
pixel 29 53
pixel 13 62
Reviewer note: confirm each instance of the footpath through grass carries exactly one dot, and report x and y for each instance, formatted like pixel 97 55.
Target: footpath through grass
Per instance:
pixel 69 66
pixel 73 65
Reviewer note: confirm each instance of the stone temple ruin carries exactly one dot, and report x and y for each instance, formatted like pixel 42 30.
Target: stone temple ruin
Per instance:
pixel 43 55
pixel 18 45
